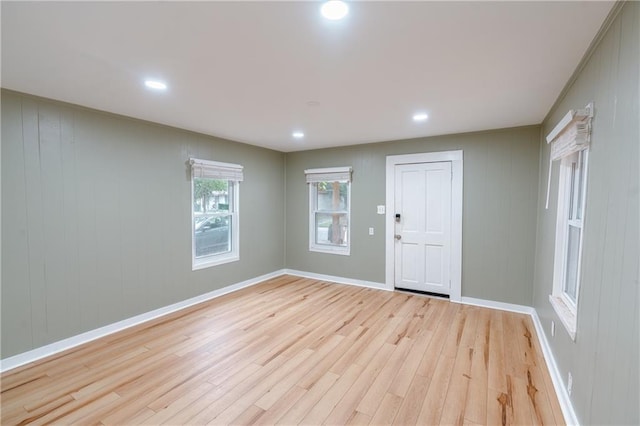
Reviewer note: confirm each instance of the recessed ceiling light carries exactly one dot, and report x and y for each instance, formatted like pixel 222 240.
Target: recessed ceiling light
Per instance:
pixel 421 116
pixel 155 84
pixel 298 135
pixel 334 10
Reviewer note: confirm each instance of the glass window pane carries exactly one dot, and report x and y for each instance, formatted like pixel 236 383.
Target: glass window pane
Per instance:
pixel 332 229
pixel 573 190
pixel 580 185
pixel 212 234
pixel 211 195
pixel 571 272
pixel 332 196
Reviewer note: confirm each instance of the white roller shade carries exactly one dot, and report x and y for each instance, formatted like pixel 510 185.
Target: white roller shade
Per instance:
pixel 331 174
pixel 216 170
pixel 571 134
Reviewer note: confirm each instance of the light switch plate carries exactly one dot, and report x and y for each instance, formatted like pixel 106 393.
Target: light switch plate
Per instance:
pixel 380 209
pixel 370 231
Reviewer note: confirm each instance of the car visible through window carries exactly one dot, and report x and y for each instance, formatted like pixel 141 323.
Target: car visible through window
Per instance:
pixel 212 235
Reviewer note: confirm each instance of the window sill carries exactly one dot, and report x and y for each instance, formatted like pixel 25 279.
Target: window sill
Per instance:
pixel 566 315
pixel 342 251
pixel 217 260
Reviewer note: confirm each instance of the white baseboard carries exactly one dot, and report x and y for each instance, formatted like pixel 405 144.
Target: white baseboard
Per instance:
pixel 561 391
pixel 510 307
pixel 71 342
pixel 339 280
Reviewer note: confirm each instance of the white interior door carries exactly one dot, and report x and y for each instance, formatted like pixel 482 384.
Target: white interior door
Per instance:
pixel 423 227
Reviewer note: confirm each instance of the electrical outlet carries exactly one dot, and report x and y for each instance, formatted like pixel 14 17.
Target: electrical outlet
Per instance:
pixel 380 210
pixel 569 383
pixel 553 328
pixel 370 231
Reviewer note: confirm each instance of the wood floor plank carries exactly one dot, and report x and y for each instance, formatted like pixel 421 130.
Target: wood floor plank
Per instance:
pixel 325 365
pixel 185 415
pixel 73 411
pixel 260 388
pixel 420 317
pixel 412 403
pixel 455 403
pixel 135 403
pixel 330 399
pixel 435 398
pixel 282 405
pixel 549 391
pixel 378 389
pixel 497 370
pixel 522 414
pixel 539 402
pixel 277 391
pixel 230 363
pixel 476 402
pixel 248 416
pixel 297 350
pixel 348 404
pixel 232 395
pixel 178 404
pixel 365 345
pixel 20 414
pixel 514 361
pixel 499 408
pixel 387 410
pixel 305 404
pixel 407 369
pixel 361 312
pixel 443 324
pixel 358 418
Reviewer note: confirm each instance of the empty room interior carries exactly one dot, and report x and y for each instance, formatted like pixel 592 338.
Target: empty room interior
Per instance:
pixel 320 212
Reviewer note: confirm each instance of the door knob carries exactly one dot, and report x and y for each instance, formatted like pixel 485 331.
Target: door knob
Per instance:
pixel 398 236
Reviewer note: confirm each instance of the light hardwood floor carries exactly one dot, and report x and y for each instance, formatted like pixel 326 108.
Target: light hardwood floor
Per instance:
pixel 298 351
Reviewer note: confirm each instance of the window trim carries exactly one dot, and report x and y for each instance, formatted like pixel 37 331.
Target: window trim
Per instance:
pixel 567 309
pixel 222 171
pixel 314 176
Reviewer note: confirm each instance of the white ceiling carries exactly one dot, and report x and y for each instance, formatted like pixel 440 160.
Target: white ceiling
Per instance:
pixel 247 71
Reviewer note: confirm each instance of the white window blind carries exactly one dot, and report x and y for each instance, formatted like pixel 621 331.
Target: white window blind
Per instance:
pixel 571 134
pixel 331 174
pixel 216 170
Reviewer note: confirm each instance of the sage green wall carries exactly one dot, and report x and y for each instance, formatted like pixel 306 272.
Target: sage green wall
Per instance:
pixel 604 358
pixel 499 205
pixel 96 218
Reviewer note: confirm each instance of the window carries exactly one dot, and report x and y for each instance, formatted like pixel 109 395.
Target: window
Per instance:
pixel 214 212
pixel 569 233
pixel 329 209
pixel 572 150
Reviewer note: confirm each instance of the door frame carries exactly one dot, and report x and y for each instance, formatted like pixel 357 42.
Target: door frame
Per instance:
pixel 455 157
